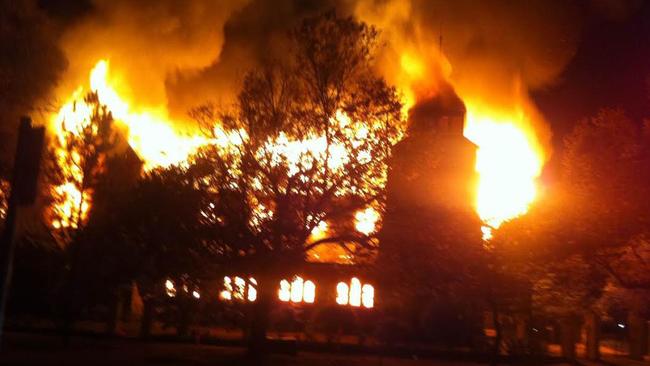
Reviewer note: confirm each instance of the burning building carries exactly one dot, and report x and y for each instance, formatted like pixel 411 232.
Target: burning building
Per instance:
pixel 434 166
pixel 437 188
pixel 431 195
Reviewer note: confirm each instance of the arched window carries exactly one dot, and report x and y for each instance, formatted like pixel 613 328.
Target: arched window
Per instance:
pixel 309 292
pixel 238 289
pixel 170 289
pixel 355 294
pixel 284 294
pixel 368 296
pixel 297 290
pixel 342 291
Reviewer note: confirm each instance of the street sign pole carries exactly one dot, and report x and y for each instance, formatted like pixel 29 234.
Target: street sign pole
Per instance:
pixel 23 193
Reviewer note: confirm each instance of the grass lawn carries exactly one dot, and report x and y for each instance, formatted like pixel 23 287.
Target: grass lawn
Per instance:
pixel 29 349
pixel 37 349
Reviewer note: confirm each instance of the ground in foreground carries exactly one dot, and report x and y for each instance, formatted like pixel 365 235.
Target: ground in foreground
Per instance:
pixel 30 349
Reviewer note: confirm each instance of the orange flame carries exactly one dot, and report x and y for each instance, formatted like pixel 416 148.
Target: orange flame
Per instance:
pixel 500 119
pixel 509 160
pixel 149 132
pixel 509 157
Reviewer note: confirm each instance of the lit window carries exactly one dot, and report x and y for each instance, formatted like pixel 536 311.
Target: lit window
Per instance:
pixel 170 289
pixel 368 296
pixel 297 291
pixel 252 291
pixel 238 289
pixel 342 293
pixel 284 294
pixel 309 292
pixel 355 294
pixel 226 294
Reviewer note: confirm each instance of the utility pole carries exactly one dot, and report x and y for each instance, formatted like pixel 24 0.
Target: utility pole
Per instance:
pixel 24 180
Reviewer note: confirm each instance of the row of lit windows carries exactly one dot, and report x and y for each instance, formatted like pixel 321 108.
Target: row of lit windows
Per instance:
pixel 170 290
pixel 299 290
pixel 238 289
pixel 355 294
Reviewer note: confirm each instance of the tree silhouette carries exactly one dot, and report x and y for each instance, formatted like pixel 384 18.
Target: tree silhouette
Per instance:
pixel 75 164
pixel 308 142
pixel 580 236
pixel 73 168
pixel 147 232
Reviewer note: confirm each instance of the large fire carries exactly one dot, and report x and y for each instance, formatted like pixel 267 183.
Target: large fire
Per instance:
pixel 508 162
pixel 492 69
pixel 509 157
pixel 150 134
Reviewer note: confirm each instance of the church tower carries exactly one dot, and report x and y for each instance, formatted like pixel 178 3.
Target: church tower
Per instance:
pixel 431 233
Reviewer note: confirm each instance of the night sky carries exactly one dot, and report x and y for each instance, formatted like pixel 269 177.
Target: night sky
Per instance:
pixel 611 68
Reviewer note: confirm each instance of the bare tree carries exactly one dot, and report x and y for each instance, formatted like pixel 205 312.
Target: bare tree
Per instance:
pixel 74 166
pixel 308 142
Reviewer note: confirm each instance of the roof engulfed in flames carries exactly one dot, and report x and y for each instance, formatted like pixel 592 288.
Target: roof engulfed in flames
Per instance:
pixel 509 157
pixel 150 131
pixel 151 134
pixel 492 53
pixel 508 162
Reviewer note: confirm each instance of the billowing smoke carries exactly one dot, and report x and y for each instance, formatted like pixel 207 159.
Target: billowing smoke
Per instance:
pixel 254 34
pixel 30 63
pixel 492 51
pixel 175 54
pixel 167 56
pixel 148 43
pixel 495 52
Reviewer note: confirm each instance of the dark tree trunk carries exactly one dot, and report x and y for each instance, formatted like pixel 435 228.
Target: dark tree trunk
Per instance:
pixel 126 311
pixel 568 337
pixel 496 348
pixel 70 310
pixel 522 333
pixel 71 294
pixel 592 330
pixel 147 317
pixel 183 324
pixel 637 335
pixel 114 312
pixel 261 311
pixel 67 326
